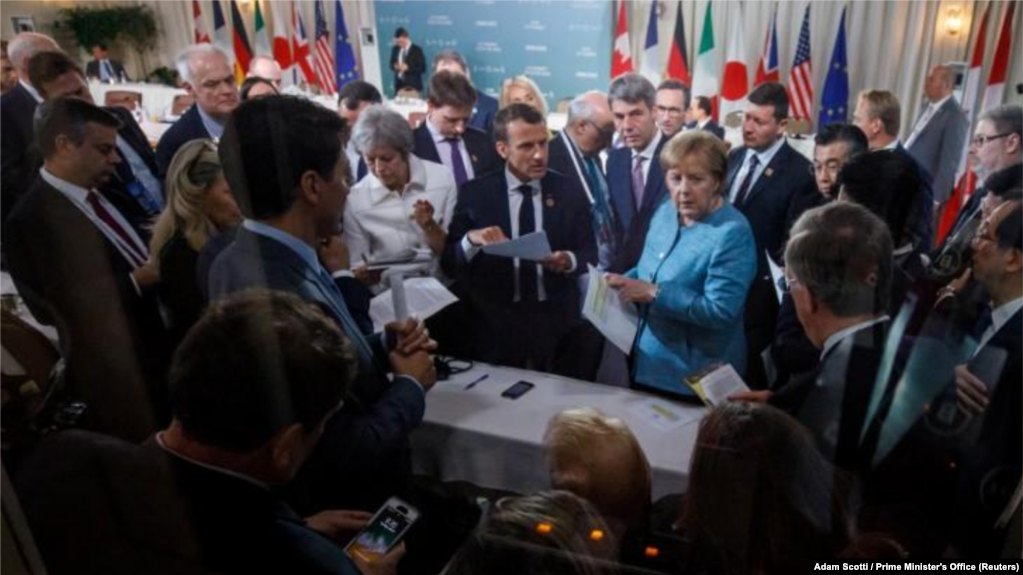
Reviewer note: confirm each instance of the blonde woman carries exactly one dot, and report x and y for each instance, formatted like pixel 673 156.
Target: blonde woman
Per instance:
pixel 199 206
pixel 523 90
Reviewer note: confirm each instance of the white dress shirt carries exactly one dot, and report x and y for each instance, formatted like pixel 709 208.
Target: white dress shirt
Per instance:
pixel 379 221
pixel 764 158
pixel 999 316
pixel 31 91
pixel 444 150
pixel 840 335
pixel 925 118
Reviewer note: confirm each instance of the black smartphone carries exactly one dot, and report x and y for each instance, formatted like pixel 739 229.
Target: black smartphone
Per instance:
pixel 384 530
pixel 518 390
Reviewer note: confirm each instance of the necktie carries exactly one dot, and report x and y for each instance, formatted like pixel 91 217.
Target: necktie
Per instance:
pixel 638 181
pixel 920 125
pixel 747 182
pixel 107 71
pixel 457 165
pixel 527 225
pixel 135 253
pixel 603 217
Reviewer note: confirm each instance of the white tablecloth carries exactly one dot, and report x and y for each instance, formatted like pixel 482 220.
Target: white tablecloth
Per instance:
pixel 478 436
pixel 156 98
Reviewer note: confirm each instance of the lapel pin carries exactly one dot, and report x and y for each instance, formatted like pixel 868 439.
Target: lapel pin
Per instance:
pixel 474 159
pixel 550 201
pixel 768 172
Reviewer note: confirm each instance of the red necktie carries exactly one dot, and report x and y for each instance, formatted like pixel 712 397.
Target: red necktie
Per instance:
pixel 135 253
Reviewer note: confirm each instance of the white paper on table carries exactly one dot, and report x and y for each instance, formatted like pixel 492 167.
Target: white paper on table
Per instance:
pixel 617 321
pixel 663 415
pixel 722 382
pixel 533 247
pixel 425 296
pixel 777 273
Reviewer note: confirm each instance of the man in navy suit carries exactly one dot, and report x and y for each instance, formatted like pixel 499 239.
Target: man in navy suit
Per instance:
pixel 771 184
pixel 671 106
pixel 634 171
pixel 103 68
pixel 293 203
pixel 486 105
pixel 445 137
pixel 352 99
pixel 524 308
pixel 408 62
pixel 17 107
pixel 209 79
pixel 701 118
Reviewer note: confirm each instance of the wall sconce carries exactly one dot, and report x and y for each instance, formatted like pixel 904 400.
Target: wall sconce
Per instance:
pixel 954 21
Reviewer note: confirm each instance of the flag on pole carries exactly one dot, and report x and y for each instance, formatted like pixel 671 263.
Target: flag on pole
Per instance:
pixel 767 69
pixel 651 66
pixel 835 98
pixel 994 94
pixel 281 47
pixel 735 83
pixel 300 46
pixel 201 36
pixel 242 48
pixel 678 60
pixel 221 34
pixel 705 76
pixel 801 76
pixel 344 56
pixel 262 37
pixel 621 58
pixel 323 58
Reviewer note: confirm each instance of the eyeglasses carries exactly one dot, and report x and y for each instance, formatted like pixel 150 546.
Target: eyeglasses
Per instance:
pixel 785 284
pixel 979 141
pixel 669 111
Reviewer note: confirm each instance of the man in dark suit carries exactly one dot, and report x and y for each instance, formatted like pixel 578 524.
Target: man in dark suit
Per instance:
pixel 352 99
pixel 135 180
pixel 103 68
pixel 208 78
pixel 671 106
pixel 988 387
pixel 634 173
pixel 486 105
pixel 408 62
pixel 445 136
pixel 17 108
pixel 294 211
pixel 940 133
pixel 701 119
pixel 771 184
pixel 524 308
pixel 81 267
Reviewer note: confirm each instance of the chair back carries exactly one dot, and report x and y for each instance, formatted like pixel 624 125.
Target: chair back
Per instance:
pixel 127 99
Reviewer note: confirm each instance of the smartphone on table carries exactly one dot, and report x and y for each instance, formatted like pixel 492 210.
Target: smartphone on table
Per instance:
pixel 384 530
pixel 518 390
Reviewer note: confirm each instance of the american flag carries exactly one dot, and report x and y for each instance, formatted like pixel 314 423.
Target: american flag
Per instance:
pixel 324 59
pixel 801 77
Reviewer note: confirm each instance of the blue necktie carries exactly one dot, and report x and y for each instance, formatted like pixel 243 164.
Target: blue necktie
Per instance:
pixel 603 217
pixel 457 165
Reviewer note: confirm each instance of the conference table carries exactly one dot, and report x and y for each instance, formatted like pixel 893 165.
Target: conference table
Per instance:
pixel 157 99
pixel 474 434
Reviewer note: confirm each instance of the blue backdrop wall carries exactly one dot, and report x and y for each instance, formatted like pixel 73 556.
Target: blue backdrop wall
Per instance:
pixel 564 46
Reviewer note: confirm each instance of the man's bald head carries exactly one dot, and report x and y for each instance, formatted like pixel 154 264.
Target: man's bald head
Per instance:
pixel 939 83
pixel 28 44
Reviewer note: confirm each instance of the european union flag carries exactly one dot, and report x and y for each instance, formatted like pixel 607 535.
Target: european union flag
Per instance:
pixel 344 56
pixel 835 99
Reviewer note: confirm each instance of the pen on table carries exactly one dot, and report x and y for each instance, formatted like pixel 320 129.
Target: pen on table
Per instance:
pixel 473 383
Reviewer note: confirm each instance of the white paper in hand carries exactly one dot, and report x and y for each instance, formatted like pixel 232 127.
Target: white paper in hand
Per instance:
pixel 602 307
pixel 533 247
pixel 722 382
pixel 423 297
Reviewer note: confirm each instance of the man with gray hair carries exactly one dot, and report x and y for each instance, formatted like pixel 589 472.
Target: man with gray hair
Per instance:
pixel 17 109
pixel 266 68
pixel 207 75
pixel 486 105
pixel 634 173
pixel 939 134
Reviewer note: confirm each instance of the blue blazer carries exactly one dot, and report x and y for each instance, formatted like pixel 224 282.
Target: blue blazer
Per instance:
pixel 634 220
pixel 481 149
pixel 188 127
pixel 703 273
pixel 483 115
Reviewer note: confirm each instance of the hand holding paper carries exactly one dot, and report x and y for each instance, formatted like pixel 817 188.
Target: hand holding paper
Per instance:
pixel 616 320
pixel 533 247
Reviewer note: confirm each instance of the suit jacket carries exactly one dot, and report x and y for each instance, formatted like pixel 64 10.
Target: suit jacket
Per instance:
pixel 939 145
pixel 188 127
pixel 365 447
pixel 480 146
pixel 17 172
pixel 564 157
pixel 413 77
pixel 919 222
pixel 714 128
pixel 634 220
pixel 73 278
pixel 140 217
pixel 92 69
pixel 483 115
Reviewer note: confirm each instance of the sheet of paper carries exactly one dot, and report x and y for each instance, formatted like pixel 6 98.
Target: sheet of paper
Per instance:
pixel 720 383
pixel 424 297
pixel 777 274
pixel 616 320
pixel 664 415
pixel 534 247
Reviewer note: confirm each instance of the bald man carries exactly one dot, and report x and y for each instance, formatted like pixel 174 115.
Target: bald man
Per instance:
pixel 939 134
pixel 17 108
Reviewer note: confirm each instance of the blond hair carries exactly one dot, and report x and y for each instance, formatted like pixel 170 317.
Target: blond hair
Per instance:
pixel 708 147
pixel 526 83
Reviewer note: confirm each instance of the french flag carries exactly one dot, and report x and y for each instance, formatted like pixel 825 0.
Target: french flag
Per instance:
pixel 767 69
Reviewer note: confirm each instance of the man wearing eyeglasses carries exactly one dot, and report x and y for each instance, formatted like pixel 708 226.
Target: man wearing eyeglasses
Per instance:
pixel 670 105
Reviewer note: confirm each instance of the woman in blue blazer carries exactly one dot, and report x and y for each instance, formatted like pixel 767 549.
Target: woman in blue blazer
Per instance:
pixel 697 265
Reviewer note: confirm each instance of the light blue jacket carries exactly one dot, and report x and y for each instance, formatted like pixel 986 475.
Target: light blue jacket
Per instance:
pixel 703 273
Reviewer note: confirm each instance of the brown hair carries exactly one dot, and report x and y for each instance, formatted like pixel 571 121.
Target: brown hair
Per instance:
pixel 883 105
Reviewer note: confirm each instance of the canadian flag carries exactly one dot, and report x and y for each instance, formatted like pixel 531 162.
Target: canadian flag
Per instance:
pixel 994 94
pixel 621 59
pixel 201 36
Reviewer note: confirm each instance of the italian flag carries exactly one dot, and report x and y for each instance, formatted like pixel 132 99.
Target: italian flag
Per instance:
pixel 705 78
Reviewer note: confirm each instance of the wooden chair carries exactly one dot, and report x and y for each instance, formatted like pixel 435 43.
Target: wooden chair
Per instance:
pixel 181 104
pixel 124 98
